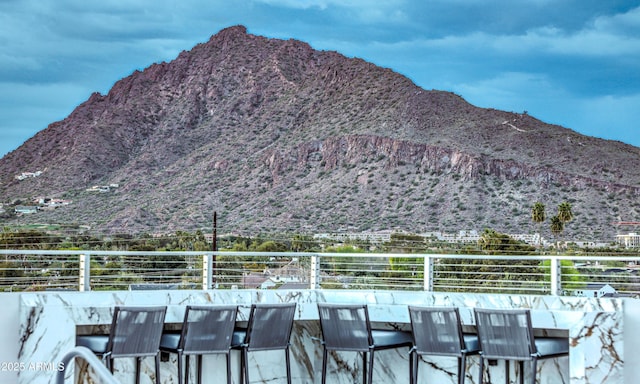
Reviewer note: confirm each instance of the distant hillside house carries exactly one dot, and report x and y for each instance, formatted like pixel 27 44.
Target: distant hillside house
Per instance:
pixel 25 209
pixel 26 175
pixel 54 203
pixel 102 188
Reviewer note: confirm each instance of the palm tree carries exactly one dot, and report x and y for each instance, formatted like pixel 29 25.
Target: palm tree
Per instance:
pixel 538 216
pixel 564 212
pixel 557 226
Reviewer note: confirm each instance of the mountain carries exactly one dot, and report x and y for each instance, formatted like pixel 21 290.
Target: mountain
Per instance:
pixel 274 135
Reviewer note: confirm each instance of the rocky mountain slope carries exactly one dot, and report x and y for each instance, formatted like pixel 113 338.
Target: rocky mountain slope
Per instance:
pixel 276 136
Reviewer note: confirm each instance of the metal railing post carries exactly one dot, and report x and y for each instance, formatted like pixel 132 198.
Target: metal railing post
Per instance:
pixel 428 273
pixel 207 271
pixel 84 278
pixel 314 278
pixel 556 276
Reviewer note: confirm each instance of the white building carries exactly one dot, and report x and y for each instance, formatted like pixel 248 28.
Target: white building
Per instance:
pixel 631 240
pixel 372 237
pixel 596 290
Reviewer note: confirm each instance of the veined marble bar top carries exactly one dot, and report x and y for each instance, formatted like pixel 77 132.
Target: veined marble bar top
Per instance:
pixel 48 322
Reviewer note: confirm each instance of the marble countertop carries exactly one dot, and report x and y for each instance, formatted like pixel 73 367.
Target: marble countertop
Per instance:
pixel 49 320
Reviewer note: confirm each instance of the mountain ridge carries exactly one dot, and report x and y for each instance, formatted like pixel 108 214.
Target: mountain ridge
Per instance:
pixel 274 135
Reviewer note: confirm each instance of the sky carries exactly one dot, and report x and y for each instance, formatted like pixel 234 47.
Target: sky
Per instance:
pixel 575 63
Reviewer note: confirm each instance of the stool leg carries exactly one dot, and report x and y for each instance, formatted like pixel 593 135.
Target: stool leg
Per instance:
pixel 138 370
pixel 242 378
pixel 506 371
pixel 413 368
pixel 364 368
pixel 324 366
pixel 157 360
pixel 534 369
pixel 182 371
pixel 109 363
pixel 462 368
pixel 228 367
pixel 370 375
pixel 288 364
pixel 246 366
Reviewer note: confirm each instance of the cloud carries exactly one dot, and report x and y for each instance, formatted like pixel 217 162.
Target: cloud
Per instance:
pixel 325 4
pixel 610 116
pixel 627 23
pixel 511 91
pixel 26 109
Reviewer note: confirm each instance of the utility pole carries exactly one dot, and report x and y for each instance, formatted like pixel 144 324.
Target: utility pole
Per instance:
pixel 214 248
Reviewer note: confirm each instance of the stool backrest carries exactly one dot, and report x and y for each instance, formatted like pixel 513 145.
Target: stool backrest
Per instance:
pixel 136 331
pixel 207 329
pixel 270 326
pixel 505 334
pixel 345 327
pixel 437 330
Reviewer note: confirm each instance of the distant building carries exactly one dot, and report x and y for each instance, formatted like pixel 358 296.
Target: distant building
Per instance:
pixel 26 209
pixel 592 244
pixel 463 236
pixel 596 290
pixel 51 203
pixel 631 240
pixel 99 188
pixel 533 239
pixel 378 237
pixel 470 236
pixel 288 276
pixel 26 175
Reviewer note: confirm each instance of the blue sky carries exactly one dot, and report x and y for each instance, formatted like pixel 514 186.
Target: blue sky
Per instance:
pixel 574 63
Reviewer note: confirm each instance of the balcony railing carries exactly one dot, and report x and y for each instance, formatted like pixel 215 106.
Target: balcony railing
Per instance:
pixel 26 270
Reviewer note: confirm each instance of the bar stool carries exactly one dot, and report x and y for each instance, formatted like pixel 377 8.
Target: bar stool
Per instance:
pixel 507 334
pixel 346 327
pixel 206 330
pixel 438 331
pixel 135 332
pixel 269 328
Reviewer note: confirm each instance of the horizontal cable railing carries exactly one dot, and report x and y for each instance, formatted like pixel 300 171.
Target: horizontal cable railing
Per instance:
pixel 595 276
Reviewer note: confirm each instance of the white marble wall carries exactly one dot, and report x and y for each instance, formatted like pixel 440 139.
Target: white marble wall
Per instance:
pixel 595 327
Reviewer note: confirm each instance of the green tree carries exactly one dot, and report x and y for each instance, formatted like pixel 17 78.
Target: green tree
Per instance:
pixel 496 243
pixel 10 269
pixel 565 214
pixel 271 246
pixel 405 243
pixel 557 226
pixel 304 243
pixel 538 215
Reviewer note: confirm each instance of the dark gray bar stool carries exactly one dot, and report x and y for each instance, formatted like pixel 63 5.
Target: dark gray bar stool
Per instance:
pixel 347 328
pixel 508 335
pixel 269 328
pixel 135 332
pixel 438 331
pixel 206 330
